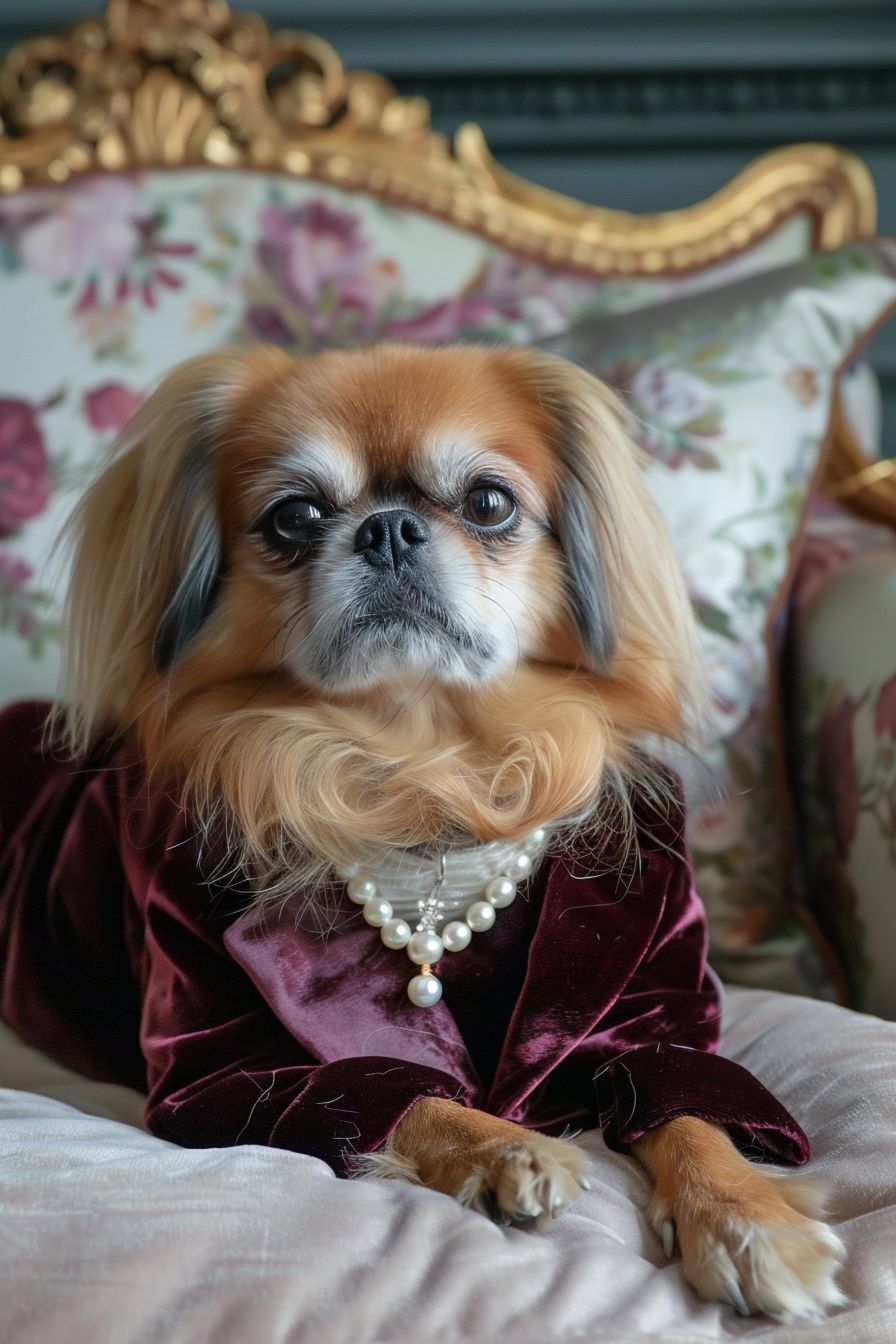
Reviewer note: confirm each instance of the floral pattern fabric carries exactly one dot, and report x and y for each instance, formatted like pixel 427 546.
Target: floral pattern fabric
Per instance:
pixel 732 393
pixel 109 281
pixel 845 704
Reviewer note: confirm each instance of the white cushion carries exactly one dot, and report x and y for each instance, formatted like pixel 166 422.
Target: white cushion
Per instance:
pixel 110 1233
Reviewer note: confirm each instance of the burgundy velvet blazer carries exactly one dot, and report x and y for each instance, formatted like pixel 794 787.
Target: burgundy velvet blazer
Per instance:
pixel 588 1004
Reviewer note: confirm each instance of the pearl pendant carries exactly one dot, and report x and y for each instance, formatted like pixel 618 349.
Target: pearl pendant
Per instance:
pixel 377 912
pixel 424 990
pixel 421 933
pixel 456 936
pixel 425 947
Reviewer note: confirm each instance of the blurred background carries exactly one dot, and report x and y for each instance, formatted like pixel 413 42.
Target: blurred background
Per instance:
pixel 637 104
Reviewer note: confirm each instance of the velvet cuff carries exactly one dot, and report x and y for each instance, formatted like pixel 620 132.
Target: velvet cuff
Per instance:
pixel 645 1087
pixel 351 1106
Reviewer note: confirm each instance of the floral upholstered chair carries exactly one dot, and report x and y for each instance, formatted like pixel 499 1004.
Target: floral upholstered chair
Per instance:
pixel 173 177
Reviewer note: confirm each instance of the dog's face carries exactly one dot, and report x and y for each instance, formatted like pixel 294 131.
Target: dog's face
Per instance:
pixel 388 594
pixel 392 519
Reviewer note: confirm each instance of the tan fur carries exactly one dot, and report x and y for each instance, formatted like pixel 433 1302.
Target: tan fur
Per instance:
pixel 746 1235
pixel 488 1164
pixel 297 778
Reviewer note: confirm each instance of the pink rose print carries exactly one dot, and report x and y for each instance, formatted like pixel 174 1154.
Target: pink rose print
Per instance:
pixel 15 575
pixel 110 406
pixel 821 557
pixel 440 323
pixel 92 229
pixel 25 482
pixel 100 235
pixel 802 382
pixel 318 255
pixel 312 246
pixel 673 396
pixel 836 770
pixel 320 283
pixel 885 710
pixel 536 302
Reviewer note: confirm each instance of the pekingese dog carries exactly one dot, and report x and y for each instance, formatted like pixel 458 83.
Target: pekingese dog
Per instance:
pixel 384 634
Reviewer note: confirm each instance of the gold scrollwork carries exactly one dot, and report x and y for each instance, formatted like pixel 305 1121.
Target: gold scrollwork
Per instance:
pixel 170 82
pixel 167 83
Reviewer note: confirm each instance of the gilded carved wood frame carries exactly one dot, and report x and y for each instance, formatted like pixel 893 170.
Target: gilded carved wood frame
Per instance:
pixel 168 83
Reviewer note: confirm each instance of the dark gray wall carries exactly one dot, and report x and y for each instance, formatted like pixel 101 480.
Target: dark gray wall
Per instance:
pixel 641 104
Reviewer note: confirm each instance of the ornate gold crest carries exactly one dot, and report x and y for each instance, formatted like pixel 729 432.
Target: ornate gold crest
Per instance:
pixel 171 82
pixel 166 83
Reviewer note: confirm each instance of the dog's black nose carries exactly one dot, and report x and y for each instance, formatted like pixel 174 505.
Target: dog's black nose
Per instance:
pixel 392 538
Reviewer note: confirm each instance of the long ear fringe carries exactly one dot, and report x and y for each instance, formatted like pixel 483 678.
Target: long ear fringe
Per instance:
pixel 128 539
pixel 646 599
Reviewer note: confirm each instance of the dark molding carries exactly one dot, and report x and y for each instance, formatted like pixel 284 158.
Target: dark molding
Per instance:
pixel 707 106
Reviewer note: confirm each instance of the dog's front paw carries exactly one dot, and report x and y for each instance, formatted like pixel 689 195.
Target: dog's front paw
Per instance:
pixel 756 1246
pixel 499 1168
pixel 531 1181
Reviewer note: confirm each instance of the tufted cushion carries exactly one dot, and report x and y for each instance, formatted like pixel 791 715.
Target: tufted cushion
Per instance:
pixel 109 281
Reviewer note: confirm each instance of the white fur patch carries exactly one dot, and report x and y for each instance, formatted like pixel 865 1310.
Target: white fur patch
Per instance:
pixel 386 1165
pixel 452 459
pixel 532 1181
pixel 317 464
pixel 786 1271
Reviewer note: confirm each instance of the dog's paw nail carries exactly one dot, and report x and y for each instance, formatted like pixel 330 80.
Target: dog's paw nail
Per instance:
pixel 584 1182
pixel 667 1233
pixel 738 1301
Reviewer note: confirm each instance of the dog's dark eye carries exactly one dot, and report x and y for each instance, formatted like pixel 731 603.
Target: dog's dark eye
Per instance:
pixel 294 522
pixel 487 506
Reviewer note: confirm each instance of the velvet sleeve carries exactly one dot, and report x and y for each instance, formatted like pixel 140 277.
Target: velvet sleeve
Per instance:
pixel 223 1070
pixel 653 1055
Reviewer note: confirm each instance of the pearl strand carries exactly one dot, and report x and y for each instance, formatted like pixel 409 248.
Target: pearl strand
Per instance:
pixel 424 945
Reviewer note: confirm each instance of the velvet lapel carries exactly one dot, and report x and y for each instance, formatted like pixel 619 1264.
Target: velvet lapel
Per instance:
pixel 591 935
pixel 345 996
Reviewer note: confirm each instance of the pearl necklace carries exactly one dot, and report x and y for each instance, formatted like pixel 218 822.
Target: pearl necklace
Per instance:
pixel 388 895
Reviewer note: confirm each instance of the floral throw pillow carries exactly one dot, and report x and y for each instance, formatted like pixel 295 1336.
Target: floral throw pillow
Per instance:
pixel 109 281
pixel 842 702
pixel 847 698
pixel 733 390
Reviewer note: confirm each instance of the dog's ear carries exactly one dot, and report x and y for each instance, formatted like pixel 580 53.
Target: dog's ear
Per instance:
pixel 193 528
pixel 584 542
pixel 625 591
pixel 596 458
pixel 147 559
